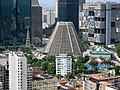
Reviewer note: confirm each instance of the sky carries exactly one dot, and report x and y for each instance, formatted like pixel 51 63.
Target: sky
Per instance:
pixel 51 3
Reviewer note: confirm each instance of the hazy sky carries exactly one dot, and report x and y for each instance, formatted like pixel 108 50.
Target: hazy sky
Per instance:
pixel 51 3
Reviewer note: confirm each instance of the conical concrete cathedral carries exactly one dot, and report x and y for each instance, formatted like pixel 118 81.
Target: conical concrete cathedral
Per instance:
pixel 64 39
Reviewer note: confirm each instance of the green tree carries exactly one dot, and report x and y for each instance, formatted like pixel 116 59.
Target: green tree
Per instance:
pixel 26 50
pixel 58 76
pixel 29 59
pixel 48 31
pixel 44 65
pixel 69 76
pixel 86 59
pixel 118 49
pixel 117 70
pixel 13 48
pixel 107 62
pixel 94 63
pixel 81 68
pixel 70 53
pixel 51 69
pixel 50 59
pixel 2 49
pixel 80 59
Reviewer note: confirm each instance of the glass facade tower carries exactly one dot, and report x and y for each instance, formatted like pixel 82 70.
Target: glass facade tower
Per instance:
pixel 15 18
pixel 68 10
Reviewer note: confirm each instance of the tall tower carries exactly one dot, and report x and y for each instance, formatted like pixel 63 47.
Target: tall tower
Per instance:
pixel 17 71
pixel 56 11
pixel 81 2
pixel 68 10
pixel 36 22
pixel 15 15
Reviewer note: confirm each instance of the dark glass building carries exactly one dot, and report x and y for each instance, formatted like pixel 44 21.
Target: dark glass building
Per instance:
pixel 81 2
pixel 36 26
pixel 15 17
pixel 68 10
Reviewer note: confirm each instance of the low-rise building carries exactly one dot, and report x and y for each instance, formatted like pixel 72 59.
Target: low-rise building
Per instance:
pixel 100 53
pixel 107 86
pixel 44 83
pixel 95 81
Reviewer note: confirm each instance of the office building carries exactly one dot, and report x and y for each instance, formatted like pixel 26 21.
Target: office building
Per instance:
pixel 63 64
pixel 56 10
pixel 15 17
pixel 36 21
pixel 17 71
pixel 64 39
pixel 68 11
pixel 102 21
pixel 81 2
pixel 48 17
pixel 101 81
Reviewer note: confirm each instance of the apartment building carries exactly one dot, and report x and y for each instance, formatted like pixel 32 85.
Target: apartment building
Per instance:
pixel 102 21
pixel 4 72
pixel 17 71
pixel 43 83
pixel 1 87
pixel 48 17
pixel 101 81
pixel 2 77
pixel 29 77
pixel 63 64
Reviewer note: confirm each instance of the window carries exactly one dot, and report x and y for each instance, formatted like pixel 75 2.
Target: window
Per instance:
pixel 112 24
pixel 91 13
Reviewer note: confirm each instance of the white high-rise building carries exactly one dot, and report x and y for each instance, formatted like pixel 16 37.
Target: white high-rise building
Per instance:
pixel 17 71
pixel 48 17
pixel 29 77
pixel 63 64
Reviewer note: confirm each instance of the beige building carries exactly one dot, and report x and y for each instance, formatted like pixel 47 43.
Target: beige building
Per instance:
pixel 45 84
pixel 102 21
pixel 101 81
pixel 107 86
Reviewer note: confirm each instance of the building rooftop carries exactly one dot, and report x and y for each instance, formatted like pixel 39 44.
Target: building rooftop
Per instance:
pixel 100 50
pixel 64 39
pixel 106 83
pixel 103 76
pixel 35 3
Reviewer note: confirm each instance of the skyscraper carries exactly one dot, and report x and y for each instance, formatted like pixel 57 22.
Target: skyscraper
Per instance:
pixel 36 27
pixel 15 16
pixel 17 71
pixel 68 10
pixel 81 2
